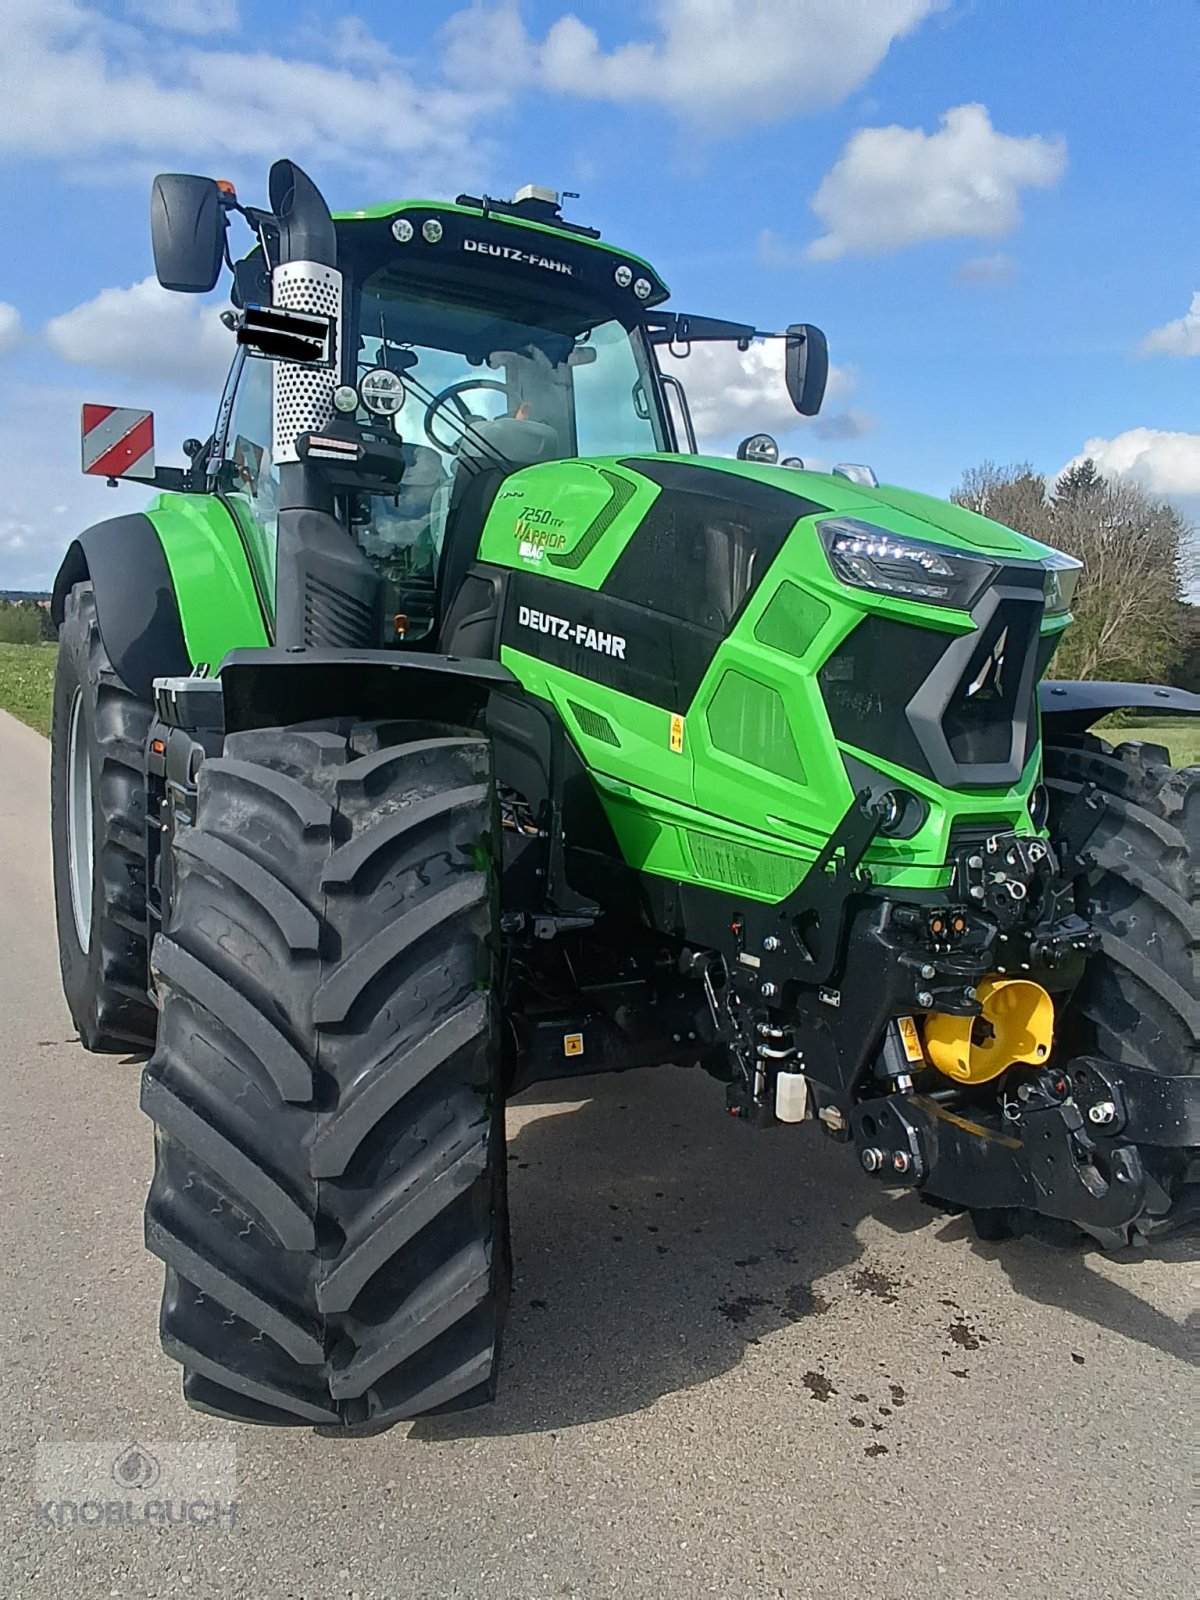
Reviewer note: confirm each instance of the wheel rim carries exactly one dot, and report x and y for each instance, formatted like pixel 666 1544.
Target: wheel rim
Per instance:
pixel 79 825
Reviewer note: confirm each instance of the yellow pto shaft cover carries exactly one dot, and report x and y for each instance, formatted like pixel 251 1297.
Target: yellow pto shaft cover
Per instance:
pixel 1016 1024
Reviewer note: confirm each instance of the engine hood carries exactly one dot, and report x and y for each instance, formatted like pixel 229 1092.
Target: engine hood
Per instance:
pixel 922 515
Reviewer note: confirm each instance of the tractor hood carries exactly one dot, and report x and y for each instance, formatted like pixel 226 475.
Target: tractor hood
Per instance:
pixel 917 628
pixel 571 495
pixel 939 519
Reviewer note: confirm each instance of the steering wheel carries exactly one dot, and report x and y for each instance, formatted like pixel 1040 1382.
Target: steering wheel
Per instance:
pixel 452 396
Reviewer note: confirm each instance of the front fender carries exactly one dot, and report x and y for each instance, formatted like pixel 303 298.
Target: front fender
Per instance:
pixel 268 688
pixel 173 585
pixel 1072 707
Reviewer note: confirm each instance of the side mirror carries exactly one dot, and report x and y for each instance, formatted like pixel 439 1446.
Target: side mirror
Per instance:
pixel 187 230
pixel 806 367
pixel 759 447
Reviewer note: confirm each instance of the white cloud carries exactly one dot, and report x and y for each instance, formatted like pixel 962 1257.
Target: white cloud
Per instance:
pixel 1178 338
pixel 147 334
pixel 722 62
pixel 1164 463
pixel 895 186
pixel 10 328
pixel 76 84
pixel 986 270
pixel 188 16
pixel 81 84
pixel 734 392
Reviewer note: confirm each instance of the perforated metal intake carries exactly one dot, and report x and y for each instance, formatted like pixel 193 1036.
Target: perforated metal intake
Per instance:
pixel 304 395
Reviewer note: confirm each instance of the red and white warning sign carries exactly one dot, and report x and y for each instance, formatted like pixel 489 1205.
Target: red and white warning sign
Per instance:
pixel 118 442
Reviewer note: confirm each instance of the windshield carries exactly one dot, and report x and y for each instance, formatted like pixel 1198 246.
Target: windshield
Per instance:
pixel 486 391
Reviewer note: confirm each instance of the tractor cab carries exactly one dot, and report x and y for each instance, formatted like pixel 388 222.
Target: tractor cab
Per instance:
pixel 395 365
pixel 485 344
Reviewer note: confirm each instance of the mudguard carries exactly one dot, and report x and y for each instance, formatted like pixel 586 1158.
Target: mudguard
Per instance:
pixel 263 688
pixel 1072 707
pixel 174 588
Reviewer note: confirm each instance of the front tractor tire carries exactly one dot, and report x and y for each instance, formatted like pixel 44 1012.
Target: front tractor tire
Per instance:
pixel 98 834
pixel 1138 1004
pixel 329 1185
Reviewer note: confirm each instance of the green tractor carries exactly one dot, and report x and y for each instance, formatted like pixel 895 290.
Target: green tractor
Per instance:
pixel 449 723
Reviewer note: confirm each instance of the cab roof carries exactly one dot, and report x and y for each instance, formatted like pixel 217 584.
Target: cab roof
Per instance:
pixel 490 228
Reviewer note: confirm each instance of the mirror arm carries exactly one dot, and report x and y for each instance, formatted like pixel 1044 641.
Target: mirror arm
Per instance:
pixel 677 327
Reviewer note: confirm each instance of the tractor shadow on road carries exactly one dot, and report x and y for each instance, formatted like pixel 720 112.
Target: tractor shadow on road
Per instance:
pixel 655 1238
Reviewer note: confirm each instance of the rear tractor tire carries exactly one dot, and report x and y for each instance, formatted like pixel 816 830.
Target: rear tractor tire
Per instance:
pixel 329 1186
pixel 98 833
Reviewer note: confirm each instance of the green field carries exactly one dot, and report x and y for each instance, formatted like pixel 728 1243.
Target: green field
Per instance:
pixel 27 682
pixel 27 679
pixel 1181 738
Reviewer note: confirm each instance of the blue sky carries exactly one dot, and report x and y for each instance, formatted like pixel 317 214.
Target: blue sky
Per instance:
pixel 1003 250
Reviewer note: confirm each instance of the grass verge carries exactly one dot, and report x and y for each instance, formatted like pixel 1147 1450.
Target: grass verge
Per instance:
pixel 27 682
pixel 1182 738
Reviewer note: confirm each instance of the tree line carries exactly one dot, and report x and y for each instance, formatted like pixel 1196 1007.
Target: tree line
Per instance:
pixel 1140 558
pixel 24 622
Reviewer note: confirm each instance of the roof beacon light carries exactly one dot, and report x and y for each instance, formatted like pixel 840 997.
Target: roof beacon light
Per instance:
pixel 535 191
pixel 402 230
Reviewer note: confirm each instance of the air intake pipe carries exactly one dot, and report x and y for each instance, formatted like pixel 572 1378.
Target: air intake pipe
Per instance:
pixel 306 230
pixel 327 594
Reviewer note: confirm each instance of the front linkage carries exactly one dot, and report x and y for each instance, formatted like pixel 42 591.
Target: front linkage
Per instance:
pixel 978 1108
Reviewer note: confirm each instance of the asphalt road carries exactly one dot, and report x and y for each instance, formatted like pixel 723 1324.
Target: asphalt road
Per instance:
pixel 735 1366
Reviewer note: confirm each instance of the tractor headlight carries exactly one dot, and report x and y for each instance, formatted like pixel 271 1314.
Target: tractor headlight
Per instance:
pixel 891 563
pixel 382 392
pixel 1062 579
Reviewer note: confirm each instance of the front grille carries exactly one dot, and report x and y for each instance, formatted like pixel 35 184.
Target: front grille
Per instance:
pixel 960 711
pixel 986 704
